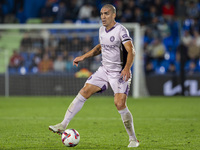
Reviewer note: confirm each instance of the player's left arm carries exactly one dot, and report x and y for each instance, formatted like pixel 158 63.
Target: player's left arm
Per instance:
pixel 126 72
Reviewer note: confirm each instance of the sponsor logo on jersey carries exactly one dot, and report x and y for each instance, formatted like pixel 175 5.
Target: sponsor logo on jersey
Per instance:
pixel 107 47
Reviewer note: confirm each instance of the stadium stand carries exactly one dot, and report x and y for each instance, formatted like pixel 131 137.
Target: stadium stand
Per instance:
pixel 173 22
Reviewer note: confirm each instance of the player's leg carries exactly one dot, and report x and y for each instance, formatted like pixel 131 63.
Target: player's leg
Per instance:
pixel 120 103
pixel 95 83
pixel 78 102
pixel 121 90
pixel 75 106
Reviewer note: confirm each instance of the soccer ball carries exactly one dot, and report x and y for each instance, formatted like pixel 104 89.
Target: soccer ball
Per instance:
pixel 70 137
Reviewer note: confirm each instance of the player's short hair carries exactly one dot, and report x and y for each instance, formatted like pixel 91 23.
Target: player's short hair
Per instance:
pixel 111 7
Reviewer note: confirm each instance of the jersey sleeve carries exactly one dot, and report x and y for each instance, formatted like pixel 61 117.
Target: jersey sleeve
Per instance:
pixel 124 35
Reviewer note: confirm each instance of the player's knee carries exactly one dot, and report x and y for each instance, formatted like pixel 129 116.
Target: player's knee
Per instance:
pixel 88 90
pixel 85 92
pixel 120 105
pixel 120 101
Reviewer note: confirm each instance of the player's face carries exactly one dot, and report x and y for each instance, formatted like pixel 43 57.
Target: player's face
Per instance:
pixel 107 16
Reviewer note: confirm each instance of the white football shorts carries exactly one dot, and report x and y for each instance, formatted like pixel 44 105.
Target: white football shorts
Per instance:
pixel 102 77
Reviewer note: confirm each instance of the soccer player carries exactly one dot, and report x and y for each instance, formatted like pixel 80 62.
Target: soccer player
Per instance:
pixel 117 58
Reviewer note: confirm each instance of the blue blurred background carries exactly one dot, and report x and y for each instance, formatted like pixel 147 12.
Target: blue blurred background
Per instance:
pixel 171 41
pixel 172 26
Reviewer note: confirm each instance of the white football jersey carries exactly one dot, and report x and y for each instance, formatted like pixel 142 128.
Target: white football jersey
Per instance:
pixel 114 55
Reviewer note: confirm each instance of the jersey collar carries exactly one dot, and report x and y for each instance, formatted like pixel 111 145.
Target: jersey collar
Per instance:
pixel 111 28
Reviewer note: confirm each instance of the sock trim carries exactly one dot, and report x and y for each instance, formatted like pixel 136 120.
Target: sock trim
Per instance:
pixel 123 111
pixel 81 98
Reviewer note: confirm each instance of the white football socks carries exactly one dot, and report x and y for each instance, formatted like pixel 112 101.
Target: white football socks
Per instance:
pixel 128 123
pixel 73 109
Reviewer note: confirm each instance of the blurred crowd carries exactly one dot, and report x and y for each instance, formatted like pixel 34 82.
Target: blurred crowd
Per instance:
pixel 60 11
pixel 54 54
pixel 172 31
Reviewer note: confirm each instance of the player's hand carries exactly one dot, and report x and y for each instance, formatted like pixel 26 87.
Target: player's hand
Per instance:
pixel 77 60
pixel 126 74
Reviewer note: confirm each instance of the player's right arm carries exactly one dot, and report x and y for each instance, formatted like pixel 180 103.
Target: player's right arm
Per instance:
pixel 95 51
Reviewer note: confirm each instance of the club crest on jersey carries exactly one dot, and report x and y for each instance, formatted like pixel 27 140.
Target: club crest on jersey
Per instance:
pixel 112 38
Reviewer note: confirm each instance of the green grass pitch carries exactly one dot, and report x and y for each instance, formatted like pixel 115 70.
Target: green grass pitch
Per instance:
pixel 168 123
